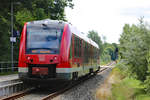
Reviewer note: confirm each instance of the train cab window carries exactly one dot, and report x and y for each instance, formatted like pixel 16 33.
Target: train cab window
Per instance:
pixel 43 40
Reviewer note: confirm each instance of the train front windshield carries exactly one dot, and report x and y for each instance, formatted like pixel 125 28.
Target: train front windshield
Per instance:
pixel 43 40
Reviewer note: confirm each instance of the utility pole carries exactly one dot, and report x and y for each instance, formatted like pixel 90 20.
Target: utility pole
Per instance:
pixel 12 35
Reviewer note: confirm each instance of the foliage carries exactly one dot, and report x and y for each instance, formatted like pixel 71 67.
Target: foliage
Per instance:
pixel 147 81
pixel 96 38
pixel 111 50
pixel 126 88
pixel 108 52
pixel 4 38
pixel 24 16
pixel 106 55
pixel 135 52
pixel 105 59
pixel 134 47
pixel 123 68
pixel 26 10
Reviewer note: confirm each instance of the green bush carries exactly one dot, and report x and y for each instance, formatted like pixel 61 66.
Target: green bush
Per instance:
pixel 134 47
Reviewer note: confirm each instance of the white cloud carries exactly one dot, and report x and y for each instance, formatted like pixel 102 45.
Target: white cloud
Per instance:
pixel 107 16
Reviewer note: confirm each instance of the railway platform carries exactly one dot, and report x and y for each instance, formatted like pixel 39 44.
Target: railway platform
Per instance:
pixel 10 84
pixel 8 77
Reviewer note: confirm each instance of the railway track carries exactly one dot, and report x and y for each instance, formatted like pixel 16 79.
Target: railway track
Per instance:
pixel 49 97
pixel 30 93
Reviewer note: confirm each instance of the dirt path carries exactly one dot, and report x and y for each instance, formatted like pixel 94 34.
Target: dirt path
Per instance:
pixel 104 91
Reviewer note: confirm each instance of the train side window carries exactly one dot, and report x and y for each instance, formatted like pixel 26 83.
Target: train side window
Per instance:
pixel 75 46
pixel 80 44
pixel 86 52
pixel 95 53
pixel 92 51
pixel 70 56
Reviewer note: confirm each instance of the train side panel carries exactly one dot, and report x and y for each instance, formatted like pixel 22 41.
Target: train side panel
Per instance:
pixel 84 56
pixel 23 68
pixel 64 69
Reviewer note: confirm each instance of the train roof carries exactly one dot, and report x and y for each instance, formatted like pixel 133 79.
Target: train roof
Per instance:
pixel 83 36
pixel 61 24
pixel 49 22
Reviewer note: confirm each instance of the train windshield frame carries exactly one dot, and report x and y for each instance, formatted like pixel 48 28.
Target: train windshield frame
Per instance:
pixel 43 39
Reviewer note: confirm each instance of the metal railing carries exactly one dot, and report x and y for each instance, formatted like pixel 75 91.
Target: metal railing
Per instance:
pixel 6 66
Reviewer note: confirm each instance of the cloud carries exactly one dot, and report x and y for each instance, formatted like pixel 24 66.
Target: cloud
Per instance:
pixel 107 17
pixel 136 12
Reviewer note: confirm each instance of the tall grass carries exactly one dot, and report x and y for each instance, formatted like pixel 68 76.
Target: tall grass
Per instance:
pixel 127 88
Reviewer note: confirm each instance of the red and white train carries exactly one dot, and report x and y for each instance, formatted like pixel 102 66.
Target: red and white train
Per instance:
pixel 52 50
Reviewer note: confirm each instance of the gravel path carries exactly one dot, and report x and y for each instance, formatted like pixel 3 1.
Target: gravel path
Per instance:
pixel 86 90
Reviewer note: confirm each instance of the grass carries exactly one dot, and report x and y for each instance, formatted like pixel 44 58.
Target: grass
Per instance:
pixel 105 63
pixel 127 88
pixel 143 97
pixel 119 86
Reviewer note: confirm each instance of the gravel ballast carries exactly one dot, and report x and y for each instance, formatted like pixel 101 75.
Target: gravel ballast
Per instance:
pixel 87 89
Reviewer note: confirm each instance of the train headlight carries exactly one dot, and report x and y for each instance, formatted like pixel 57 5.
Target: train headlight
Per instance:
pixel 55 58
pixel 28 58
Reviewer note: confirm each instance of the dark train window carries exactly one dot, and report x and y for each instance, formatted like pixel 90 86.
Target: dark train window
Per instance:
pixel 77 46
pixel 86 56
pixel 70 56
pixel 92 52
pixel 88 50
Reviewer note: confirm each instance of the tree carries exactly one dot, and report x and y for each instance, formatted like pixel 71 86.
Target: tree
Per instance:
pixel 96 38
pixel 26 10
pixel 134 48
pixel 107 51
pixel 110 52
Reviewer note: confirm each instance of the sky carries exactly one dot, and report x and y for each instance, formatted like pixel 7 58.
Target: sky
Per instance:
pixel 107 17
